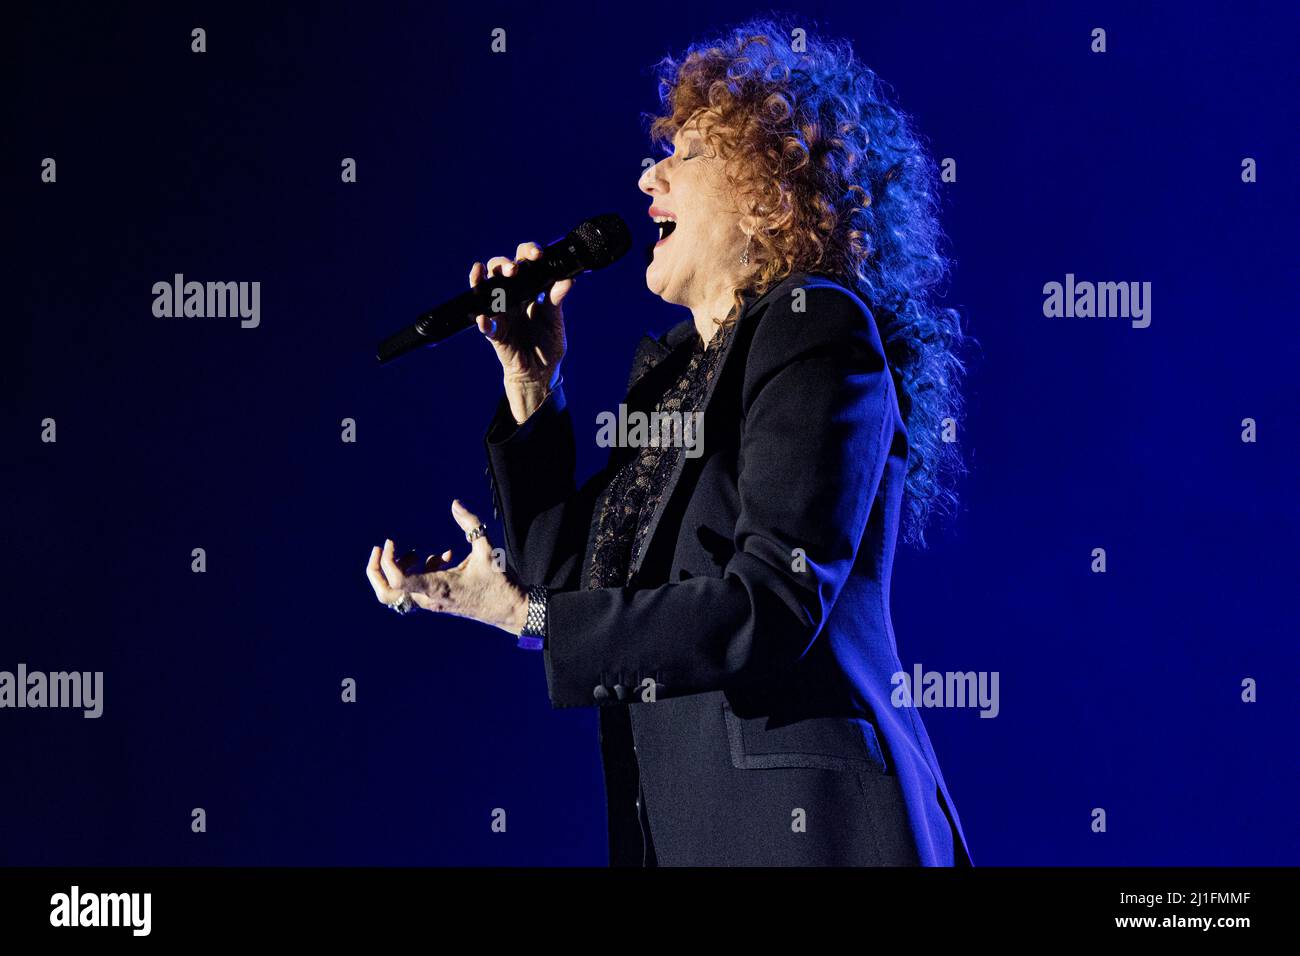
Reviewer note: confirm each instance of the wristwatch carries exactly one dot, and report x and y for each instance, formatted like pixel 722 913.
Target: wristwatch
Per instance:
pixel 533 636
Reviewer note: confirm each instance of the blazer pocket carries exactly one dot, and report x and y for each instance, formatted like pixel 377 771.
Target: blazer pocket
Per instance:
pixel 822 743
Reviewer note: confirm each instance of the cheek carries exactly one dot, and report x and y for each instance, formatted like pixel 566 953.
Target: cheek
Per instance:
pixel 718 234
pixel 717 219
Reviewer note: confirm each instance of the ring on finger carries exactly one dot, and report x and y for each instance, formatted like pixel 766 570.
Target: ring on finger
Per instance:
pixel 476 533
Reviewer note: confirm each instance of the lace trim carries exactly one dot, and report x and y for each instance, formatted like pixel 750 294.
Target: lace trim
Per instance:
pixel 629 503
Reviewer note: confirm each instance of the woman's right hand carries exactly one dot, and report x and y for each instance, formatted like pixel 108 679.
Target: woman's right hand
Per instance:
pixel 529 339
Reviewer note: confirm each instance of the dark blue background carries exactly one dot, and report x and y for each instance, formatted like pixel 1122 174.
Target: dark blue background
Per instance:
pixel 1118 691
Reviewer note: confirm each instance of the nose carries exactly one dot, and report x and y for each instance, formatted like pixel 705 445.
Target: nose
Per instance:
pixel 651 183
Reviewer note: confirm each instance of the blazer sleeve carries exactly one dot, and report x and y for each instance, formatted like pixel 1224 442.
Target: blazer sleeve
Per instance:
pixel 818 413
pixel 532 470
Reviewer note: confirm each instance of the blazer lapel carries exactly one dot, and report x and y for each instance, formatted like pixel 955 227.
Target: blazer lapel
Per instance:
pixel 673 338
pixel 650 351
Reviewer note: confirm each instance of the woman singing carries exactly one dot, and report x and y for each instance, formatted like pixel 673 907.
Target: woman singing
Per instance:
pixel 723 596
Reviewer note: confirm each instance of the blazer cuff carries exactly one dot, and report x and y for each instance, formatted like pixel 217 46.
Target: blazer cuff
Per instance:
pixel 503 427
pixel 579 671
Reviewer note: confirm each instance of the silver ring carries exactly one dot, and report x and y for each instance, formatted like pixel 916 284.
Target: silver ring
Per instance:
pixel 476 533
pixel 403 605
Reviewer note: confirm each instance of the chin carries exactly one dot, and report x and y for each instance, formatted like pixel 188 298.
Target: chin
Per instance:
pixel 656 283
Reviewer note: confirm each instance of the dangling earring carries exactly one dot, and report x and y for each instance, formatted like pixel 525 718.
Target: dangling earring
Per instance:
pixel 744 256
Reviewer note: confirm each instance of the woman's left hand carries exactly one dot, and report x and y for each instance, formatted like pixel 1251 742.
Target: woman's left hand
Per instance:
pixel 475 588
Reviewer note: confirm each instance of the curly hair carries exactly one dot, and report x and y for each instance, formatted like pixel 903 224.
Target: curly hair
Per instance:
pixel 836 181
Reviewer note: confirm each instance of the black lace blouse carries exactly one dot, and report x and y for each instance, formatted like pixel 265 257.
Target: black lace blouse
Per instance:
pixel 628 504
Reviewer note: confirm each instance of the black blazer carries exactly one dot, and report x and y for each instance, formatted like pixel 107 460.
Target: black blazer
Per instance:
pixel 744 675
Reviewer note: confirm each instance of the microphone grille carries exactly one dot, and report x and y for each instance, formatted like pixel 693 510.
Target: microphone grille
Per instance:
pixel 602 240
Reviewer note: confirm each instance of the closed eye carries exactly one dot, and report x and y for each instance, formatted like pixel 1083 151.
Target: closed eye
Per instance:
pixel 690 149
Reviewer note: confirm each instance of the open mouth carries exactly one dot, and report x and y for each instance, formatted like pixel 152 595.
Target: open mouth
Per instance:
pixel 665 222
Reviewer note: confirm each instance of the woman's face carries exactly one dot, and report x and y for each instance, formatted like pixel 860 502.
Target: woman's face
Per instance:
pixel 697 264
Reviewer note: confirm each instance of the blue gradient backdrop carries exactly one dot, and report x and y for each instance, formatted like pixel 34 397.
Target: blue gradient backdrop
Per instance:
pixel 1119 691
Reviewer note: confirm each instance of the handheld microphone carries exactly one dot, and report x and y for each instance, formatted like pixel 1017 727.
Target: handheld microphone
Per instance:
pixel 596 243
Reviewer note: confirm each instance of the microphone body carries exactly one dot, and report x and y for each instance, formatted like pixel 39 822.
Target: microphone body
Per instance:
pixel 593 245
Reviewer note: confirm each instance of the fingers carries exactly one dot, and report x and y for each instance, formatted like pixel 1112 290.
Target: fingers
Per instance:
pixel 436 562
pixel 560 290
pixel 468 521
pixel 388 575
pixel 532 251
pixel 377 579
pixel 501 266
pixel 495 327
pixel 388 563
pixel 491 325
pixel 487 324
